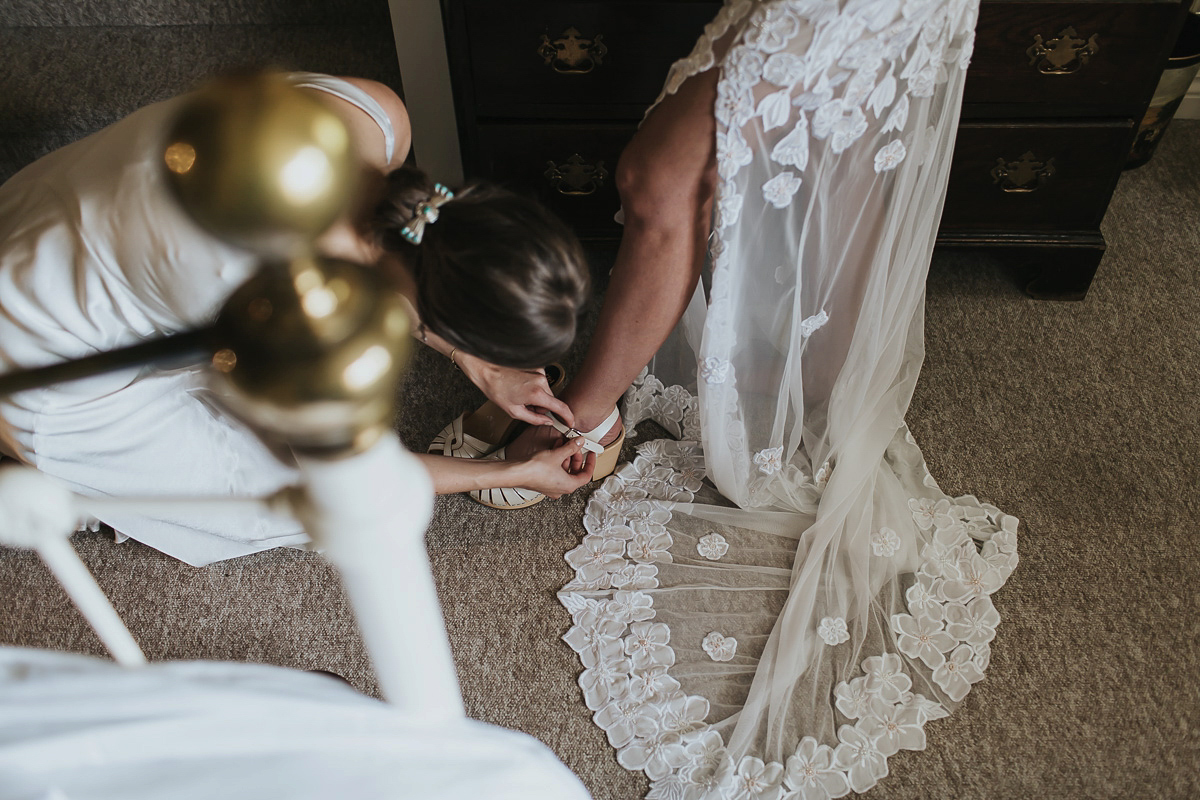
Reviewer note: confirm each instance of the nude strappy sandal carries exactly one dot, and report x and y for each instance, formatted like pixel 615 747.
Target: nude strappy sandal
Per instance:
pixel 482 431
pixel 606 462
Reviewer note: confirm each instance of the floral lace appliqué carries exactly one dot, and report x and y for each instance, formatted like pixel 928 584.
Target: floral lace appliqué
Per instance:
pixel 719 647
pixel 832 631
pixel 712 546
pixel 661 730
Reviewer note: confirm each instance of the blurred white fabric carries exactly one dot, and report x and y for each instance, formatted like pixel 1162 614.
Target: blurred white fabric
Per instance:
pixel 96 255
pixel 78 728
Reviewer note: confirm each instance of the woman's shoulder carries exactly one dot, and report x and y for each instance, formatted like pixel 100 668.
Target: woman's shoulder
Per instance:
pixel 374 113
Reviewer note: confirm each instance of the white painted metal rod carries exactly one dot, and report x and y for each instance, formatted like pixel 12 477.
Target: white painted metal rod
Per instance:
pixel 369 513
pixel 81 587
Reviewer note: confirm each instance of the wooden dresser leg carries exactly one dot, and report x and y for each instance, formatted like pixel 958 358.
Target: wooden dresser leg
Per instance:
pixel 1060 273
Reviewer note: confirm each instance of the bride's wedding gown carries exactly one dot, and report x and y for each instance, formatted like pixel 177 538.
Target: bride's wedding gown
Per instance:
pixel 778 601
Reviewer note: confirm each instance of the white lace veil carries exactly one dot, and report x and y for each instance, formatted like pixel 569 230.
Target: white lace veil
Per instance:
pixel 787 624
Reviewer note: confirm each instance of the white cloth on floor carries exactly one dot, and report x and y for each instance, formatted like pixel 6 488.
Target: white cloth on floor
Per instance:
pixel 777 603
pixel 81 728
pixel 96 255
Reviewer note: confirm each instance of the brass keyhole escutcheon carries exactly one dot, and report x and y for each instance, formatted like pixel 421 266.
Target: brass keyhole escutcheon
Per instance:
pixel 1062 54
pixel 575 176
pixel 571 53
pixel 1026 174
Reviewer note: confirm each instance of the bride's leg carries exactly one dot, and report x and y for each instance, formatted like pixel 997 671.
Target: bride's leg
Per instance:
pixel 666 178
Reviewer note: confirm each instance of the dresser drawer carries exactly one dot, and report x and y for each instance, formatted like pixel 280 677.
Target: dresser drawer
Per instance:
pixel 598 60
pixel 1034 177
pixel 569 168
pixel 1068 59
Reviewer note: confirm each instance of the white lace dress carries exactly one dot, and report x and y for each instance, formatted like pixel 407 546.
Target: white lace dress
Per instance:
pixel 777 602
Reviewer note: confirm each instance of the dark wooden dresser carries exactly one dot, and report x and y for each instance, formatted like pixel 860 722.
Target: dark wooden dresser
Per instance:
pixel 548 93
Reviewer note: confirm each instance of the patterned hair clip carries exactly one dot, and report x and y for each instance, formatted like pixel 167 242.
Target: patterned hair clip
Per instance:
pixel 426 213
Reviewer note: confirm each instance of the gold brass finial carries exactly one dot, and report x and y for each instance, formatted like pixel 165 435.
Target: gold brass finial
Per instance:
pixel 312 347
pixel 260 163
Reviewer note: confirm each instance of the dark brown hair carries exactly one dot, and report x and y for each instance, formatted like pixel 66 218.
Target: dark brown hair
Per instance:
pixel 498 276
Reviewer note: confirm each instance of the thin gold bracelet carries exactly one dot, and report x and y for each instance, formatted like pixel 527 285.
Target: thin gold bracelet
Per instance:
pixel 452 361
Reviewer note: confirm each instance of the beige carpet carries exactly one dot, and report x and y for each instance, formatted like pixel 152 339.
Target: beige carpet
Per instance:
pixel 1082 419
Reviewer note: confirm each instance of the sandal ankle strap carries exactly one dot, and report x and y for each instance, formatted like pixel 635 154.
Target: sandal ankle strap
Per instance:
pixel 590 437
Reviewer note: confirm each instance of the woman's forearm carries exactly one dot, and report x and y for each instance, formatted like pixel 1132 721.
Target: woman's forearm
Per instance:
pixel 453 475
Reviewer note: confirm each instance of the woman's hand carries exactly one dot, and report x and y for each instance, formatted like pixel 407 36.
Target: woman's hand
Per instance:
pixel 523 394
pixel 550 471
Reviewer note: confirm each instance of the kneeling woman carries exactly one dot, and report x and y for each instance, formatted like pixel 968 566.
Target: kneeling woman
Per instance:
pixel 94 255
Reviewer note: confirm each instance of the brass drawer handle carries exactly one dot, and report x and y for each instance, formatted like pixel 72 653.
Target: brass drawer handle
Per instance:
pixel 571 54
pixel 1062 54
pixel 1024 175
pixel 576 176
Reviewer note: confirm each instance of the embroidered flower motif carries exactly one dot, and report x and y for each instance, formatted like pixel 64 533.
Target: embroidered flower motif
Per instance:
pixel 983 656
pixel 885 542
pixel 847 130
pixel 647 647
pixel 942 556
pixel 928 709
pixel 779 190
pixel 883 95
pixel 734 106
pixel 605 681
pixel 921 84
pixel 889 156
pixel 783 69
pixel 755 780
pixel 729 209
pixel 923 638
pixel 821 478
pixel 732 153
pixel 595 638
pixel 743 66
pixel 618 719
pixel 596 556
pixel 635 576
pixel 682 714
pixel 886 677
pixel 775 109
pixel 718 647
pixel 650 684
pixel 974 623
pixel 771 28
pixel 712 546
pixel 860 758
pixel 923 600
pixel 923 512
pixel 792 150
pixel 648 548
pixel 769 461
pixel 832 631
pixel 895 728
pixel 977 578
pixel 898 117
pixel 811 772
pixel 714 370
pixel 658 756
pixel 957 673
pixel 810 325
pixel 708 764
pixel 853 698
